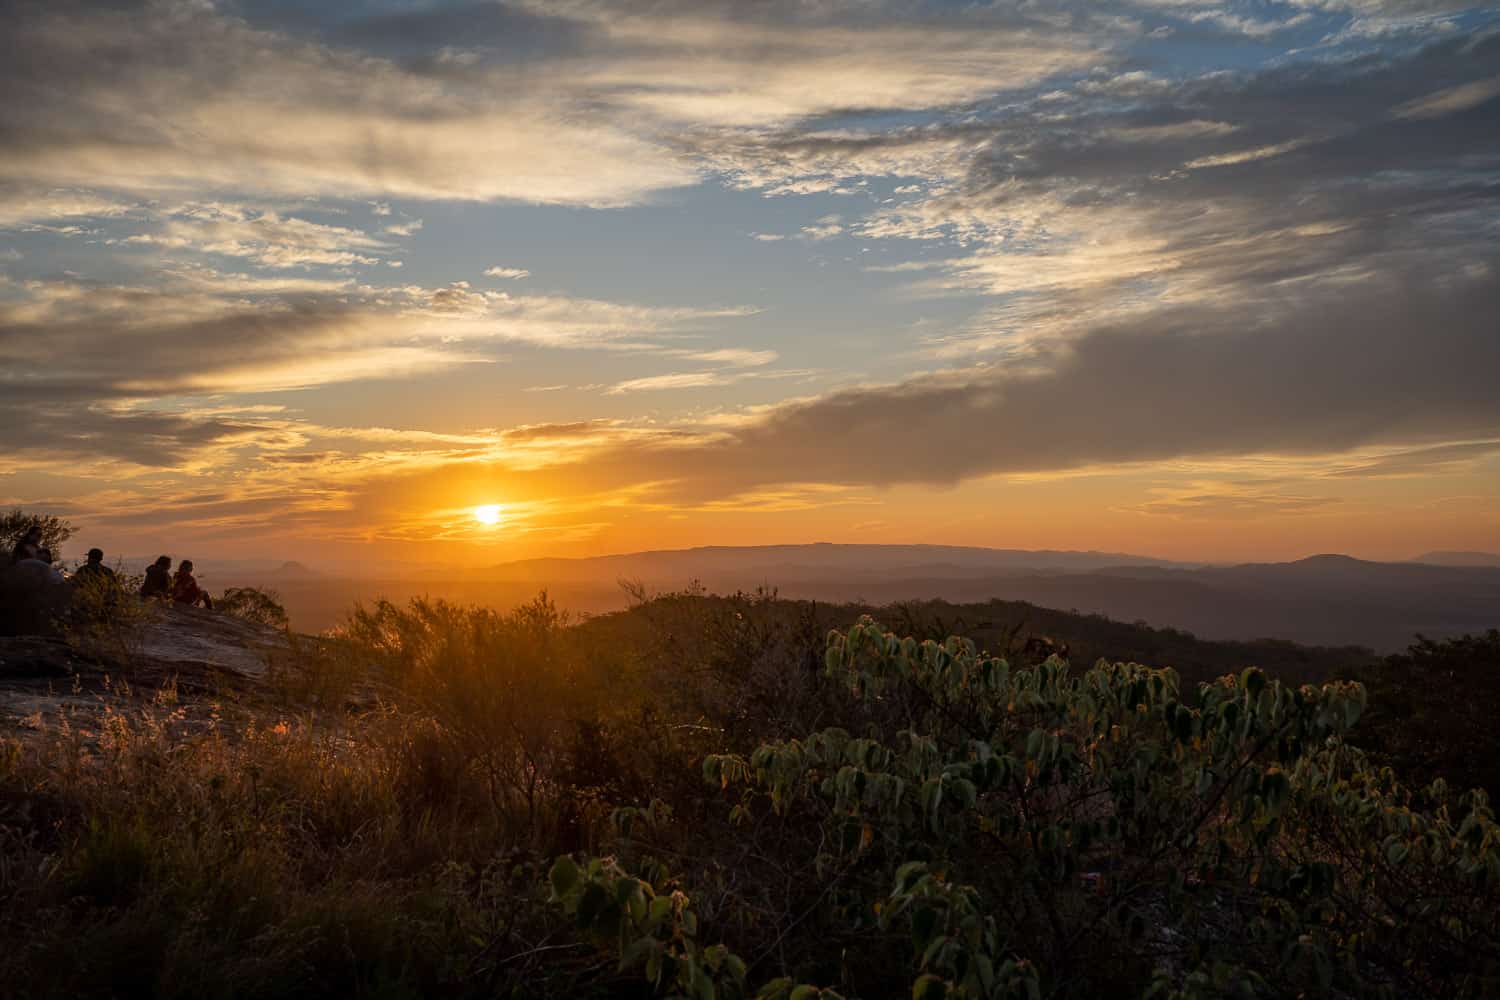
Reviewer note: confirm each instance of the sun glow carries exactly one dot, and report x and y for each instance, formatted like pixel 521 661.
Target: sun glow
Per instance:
pixel 489 513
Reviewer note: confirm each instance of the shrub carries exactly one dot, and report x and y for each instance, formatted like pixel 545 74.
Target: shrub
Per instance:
pixel 501 690
pixel 17 522
pixel 252 604
pixel 104 617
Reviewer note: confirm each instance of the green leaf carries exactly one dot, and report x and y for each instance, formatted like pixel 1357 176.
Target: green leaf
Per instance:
pixel 657 912
pixel 591 904
pixel 1253 680
pixel 638 951
pixel 923 923
pixel 563 876
pixel 929 987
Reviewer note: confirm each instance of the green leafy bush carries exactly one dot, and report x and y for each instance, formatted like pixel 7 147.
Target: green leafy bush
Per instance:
pixel 1021 831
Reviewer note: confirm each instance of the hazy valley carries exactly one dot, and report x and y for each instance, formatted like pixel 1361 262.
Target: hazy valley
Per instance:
pixel 1322 600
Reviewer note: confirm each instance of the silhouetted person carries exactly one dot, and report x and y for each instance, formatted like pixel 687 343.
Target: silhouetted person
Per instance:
pixel 94 569
pixel 40 564
pixel 185 589
pixel 158 582
pixel 29 546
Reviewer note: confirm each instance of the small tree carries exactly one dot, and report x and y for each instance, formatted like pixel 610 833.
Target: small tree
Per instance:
pixel 16 523
pixel 262 607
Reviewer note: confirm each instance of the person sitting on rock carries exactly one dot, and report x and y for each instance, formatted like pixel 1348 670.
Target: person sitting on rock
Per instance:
pixel 39 565
pixel 185 589
pixel 28 546
pixel 94 569
pixel 158 582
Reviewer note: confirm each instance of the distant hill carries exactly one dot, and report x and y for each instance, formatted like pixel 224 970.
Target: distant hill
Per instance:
pixel 1459 558
pixel 994 625
pixel 1329 599
pixel 782 564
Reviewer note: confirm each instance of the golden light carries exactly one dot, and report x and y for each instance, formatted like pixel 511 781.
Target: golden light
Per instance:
pixel 489 513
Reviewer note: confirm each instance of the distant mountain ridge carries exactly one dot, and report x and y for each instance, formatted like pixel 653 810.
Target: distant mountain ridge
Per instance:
pixel 1325 599
pixel 822 557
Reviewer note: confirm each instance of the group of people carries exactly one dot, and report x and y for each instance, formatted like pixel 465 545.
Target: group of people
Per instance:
pixel 182 587
pixel 161 584
pixel 31 556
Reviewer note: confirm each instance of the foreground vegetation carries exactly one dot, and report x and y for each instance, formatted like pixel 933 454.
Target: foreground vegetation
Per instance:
pixel 716 797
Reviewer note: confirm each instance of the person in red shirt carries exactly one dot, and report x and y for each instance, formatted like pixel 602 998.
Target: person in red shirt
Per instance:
pixel 185 589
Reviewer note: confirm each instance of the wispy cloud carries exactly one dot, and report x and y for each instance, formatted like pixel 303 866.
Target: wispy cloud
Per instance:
pixel 264 237
pixel 674 380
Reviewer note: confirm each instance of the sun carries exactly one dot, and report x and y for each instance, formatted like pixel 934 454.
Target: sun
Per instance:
pixel 489 513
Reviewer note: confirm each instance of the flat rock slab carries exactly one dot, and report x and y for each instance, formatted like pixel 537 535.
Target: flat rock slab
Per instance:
pixel 184 636
pixel 44 681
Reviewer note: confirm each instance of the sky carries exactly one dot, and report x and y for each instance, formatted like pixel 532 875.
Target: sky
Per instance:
pixel 1201 280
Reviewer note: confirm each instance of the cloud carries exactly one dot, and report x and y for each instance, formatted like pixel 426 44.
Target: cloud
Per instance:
pixel 92 356
pixel 1419 462
pixel 1257 28
pixel 1315 379
pixel 1244 155
pixel 675 380
pixel 734 356
pixel 179 96
pixel 21 203
pixel 514 273
pixel 1229 500
pixel 726 64
pixel 1130 193
pixel 264 237
pixel 1310 381
pixel 1321 377
pixel 404 228
pixel 825 228
pixel 1452 100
